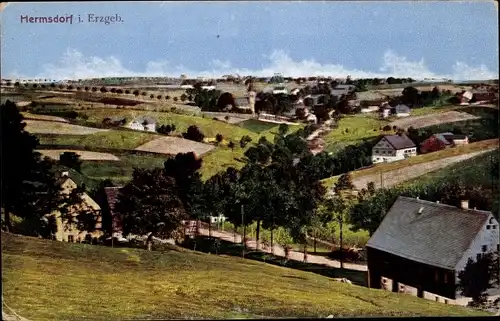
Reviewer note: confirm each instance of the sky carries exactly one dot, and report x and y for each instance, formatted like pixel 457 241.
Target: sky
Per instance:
pixel 445 39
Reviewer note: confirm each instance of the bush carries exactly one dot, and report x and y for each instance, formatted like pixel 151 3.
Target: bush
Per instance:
pixel 386 128
pixel 348 255
pixel 193 133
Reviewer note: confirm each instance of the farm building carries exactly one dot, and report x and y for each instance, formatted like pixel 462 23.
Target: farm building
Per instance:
pixel 280 90
pixel 409 253
pixel 69 231
pixel 402 111
pixel 392 148
pixel 441 141
pixel 144 123
pixel 384 111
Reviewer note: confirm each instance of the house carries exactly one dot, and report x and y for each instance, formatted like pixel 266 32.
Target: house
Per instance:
pixel 280 90
pixel 69 232
pixel 295 91
pixel 402 111
pixel 242 102
pixel 392 148
pixel 384 111
pixel 421 246
pixel 144 123
pixel 441 141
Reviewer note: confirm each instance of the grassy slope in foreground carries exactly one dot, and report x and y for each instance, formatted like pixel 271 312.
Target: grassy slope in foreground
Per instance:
pixel 47 280
pixel 420 159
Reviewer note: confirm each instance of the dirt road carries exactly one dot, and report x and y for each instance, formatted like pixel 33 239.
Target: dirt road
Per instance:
pixel 398 176
pixel 279 251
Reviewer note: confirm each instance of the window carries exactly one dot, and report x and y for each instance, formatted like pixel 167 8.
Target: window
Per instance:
pixel 491 220
pixel 494 227
pixel 70 238
pixel 488 227
pixel 484 248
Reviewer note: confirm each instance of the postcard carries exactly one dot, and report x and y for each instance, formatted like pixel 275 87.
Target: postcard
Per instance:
pixel 261 159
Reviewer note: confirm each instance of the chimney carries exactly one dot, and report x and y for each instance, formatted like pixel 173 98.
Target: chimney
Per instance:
pixel 420 210
pixel 64 174
pixel 437 202
pixel 464 204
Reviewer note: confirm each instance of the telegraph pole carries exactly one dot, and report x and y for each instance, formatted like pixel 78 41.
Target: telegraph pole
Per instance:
pixel 244 230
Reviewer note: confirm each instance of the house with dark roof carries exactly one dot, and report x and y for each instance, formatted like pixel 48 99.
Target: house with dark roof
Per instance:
pixel 391 148
pixel 420 247
pixel 441 141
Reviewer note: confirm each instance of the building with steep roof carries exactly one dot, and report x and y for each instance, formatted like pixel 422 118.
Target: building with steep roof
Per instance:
pixel 420 247
pixel 392 148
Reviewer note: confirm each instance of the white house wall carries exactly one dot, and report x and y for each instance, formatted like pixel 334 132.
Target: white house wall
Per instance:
pixel 484 237
pixel 385 152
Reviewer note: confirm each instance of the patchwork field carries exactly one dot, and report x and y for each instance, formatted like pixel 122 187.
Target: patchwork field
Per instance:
pixel 401 171
pixel 84 155
pixel 58 128
pixel 258 126
pixel 103 283
pixel 352 129
pixel 208 126
pixel 475 170
pixel 432 119
pixel 121 171
pixel 121 139
pixel 175 145
pixel 43 117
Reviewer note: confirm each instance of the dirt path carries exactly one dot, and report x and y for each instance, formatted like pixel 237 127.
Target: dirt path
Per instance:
pixel 398 176
pixel 279 251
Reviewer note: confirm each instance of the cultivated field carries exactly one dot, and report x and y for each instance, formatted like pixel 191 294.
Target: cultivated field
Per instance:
pixel 44 117
pixel 121 139
pixel 398 176
pixel 208 126
pixel 58 128
pixel 475 170
pixel 432 119
pixel 403 170
pixel 84 155
pixel 104 283
pixel 175 145
pixel 352 129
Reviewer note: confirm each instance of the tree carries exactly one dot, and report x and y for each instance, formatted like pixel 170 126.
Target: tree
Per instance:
pixel 98 194
pixel 231 145
pixel 113 90
pixel 87 89
pixel 245 140
pixel 219 138
pixel 127 91
pixel 151 96
pixel 94 89
pixel 103 89
pixel 167 97
pixel 226 99
pixel 150 205
pixel 70 159
pixel 344 183
pixel 144 93
pixel 29 189
pixel 193 133
pixel 136 93
pixel 183 97
pixel 176 99
pixel 159 97
pixel 410 96
pixel 477 278
pixel 184 168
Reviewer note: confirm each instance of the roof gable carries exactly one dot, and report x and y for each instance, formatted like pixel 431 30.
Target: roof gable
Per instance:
pixel 400 141
pixel 439 235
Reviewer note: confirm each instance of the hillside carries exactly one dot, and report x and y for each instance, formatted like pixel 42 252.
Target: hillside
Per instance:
pixel 476 170
pixel 46 280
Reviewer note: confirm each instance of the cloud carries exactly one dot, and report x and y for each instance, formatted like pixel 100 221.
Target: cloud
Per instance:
pixel 74 65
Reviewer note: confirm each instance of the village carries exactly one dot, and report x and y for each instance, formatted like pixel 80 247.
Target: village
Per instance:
pixel 214 160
